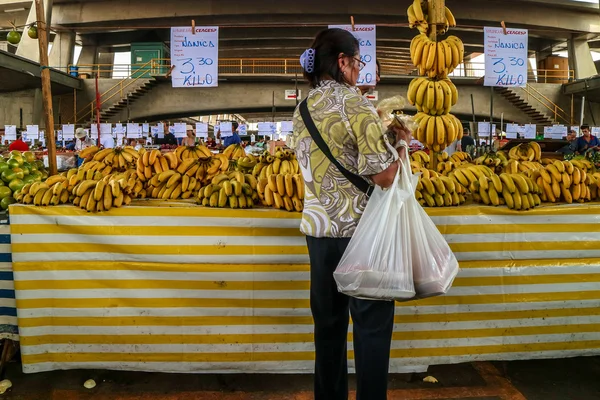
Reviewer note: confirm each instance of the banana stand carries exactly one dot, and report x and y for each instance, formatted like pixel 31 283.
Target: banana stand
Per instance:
pixel 173 287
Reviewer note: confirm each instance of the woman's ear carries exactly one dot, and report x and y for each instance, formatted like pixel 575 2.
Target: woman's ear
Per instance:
pixel 342 63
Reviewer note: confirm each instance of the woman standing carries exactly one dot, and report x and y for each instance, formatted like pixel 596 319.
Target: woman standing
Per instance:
pixel 347 124
pixel 190 138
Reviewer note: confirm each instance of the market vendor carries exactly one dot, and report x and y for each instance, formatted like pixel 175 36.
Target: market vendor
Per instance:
pixel 587 141
pixel 233 139
pixel 82 140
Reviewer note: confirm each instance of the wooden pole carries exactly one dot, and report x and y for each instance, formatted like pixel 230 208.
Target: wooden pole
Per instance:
pixel 46 87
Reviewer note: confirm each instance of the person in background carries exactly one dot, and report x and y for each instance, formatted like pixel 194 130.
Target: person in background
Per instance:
pixel 333 206
pixel 19 144
pixel 466 140
pixel 107 141
pixel 586 141
pixel 235 138
pixel 190 138
pixel 569 148
pixel 82 140
pixel 169 138
pixel 366 89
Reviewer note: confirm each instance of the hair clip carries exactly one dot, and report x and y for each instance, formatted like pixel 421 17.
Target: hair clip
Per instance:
pixel 307 60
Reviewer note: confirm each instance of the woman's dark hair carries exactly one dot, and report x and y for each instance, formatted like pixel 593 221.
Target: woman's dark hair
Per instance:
pixel 328 45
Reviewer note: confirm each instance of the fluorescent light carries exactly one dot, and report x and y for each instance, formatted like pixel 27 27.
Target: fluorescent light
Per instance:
pixel 14 10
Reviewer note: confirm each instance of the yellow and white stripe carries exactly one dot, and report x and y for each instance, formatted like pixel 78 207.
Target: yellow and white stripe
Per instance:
pixel 187 289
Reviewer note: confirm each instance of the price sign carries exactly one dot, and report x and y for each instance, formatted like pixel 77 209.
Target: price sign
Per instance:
pixel 33 132
pixel 576 129
pixel 134 131
pixel 483 128
pixel 195 56
pixel 179 129
pixel 530 131
pixel 202 130
pixel 512 130
pixel 287 127
pixel 367 37
pixel 242 130
pixel 595 130
pixel 68 131
pixel 252 139
pixel 105 129
pixel 226 129
pixel 119 129
pixel 10 132
pixel 146 129
pixel 505 57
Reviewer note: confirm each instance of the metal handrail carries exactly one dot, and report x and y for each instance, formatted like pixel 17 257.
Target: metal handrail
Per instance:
pixel 89 109
pixel 550 105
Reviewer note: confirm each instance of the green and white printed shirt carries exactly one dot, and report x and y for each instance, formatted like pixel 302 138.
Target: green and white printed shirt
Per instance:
pixel 352 130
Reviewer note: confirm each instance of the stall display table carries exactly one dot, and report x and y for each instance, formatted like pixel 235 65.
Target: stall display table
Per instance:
pixel 173 287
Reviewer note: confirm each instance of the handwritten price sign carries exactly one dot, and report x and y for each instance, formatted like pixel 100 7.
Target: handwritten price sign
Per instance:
pixel 195 56
pixel 505 57
pixel 367 37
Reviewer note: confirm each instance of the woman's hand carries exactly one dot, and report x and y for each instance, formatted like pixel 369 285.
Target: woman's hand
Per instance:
pixel 401 132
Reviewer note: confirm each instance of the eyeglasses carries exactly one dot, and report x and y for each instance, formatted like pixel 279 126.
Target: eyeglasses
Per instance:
pixel 361 63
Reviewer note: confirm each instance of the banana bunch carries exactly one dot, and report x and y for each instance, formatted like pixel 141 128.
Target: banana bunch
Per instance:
pixel 282 162
pixel 119 158
pixel 468 174
pixel 460 157
pixel 234 152
pixel 433 97
pixel 436 59
pixel 496 161
pixel 233 190
pixel 526 167
pixel 88 153
pixel 185 152
pixel 51 192
pixel 417 18
pixel 420 157
pixel 517 191
pixel 526 152
pixel 564 181
pixel 245 164
pixel 435 190
pixel 282 191
pixel 583 164
pixel 438 132
pixel 181 183
pixel 154 162
pixel 213 166
pixel 88 170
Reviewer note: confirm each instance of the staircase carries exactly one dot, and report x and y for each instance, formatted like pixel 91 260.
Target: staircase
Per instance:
pixel 131 96
pixel 536 116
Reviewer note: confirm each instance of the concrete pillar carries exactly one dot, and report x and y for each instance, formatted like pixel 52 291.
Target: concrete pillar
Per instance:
pixel 88 56
pixel 62 51
pixel 580 58
pixel 29 48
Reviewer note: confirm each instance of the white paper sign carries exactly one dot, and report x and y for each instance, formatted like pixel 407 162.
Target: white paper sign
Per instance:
pixel 202 130
pixel 119 129
pixel 505 57
pixel 226 129
pixel 105 128
pixel 287 127
pixel 576 129
pixel 512 130
pixel 483 128
pixel 68 131
pixel 530 131
pixel 178 129
pixel 33 132
pixel 134 131
pixel 595 130
pixel 59 135
pixel 242 130
pixel 290 94
pixel 10 132
pixel 195 56
pixel 120 138
pixel 367 38
pixel 252 138
pixel 146 128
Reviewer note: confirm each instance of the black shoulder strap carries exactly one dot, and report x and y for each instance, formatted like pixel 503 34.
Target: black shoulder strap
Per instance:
pixel 356 180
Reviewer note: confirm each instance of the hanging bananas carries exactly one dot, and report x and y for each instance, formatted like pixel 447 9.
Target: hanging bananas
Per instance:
pixel 417 18
pixel 436 59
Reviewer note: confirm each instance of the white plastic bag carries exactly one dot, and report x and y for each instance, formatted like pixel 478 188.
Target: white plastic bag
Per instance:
pixel 377 262
pixel 434 263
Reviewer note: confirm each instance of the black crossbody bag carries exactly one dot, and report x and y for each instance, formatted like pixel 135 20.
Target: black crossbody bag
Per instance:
pixel 356 180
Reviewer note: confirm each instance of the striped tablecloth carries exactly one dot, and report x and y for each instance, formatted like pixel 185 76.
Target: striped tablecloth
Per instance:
pixel 8 309
pixel 185 289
